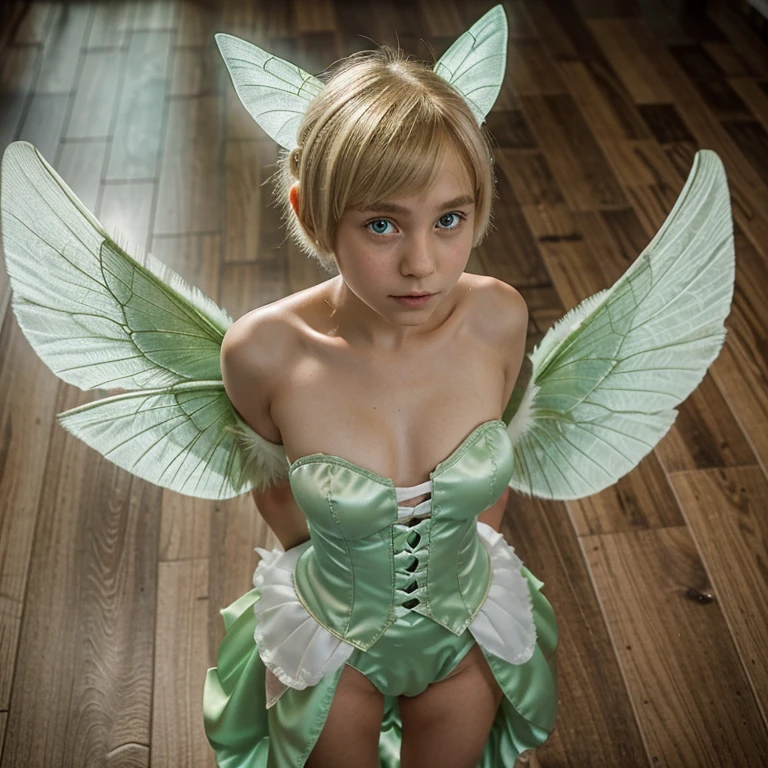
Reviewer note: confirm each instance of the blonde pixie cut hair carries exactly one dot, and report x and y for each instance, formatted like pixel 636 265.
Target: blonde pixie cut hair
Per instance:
pixel 378 130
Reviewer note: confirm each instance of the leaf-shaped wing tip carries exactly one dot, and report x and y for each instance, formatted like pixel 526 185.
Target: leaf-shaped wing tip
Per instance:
pixel 96 316
pixel 474 65
pixel 275 92
pixel 607 379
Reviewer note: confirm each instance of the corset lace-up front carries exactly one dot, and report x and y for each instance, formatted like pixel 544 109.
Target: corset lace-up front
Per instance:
pixel 411 547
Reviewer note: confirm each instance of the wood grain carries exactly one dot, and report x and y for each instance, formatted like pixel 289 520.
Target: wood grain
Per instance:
pixel 595 704
pixel 604 104
pixel 193 132
pixel 725 510
pixel 672 610
pixel 90 612
pixel 572 152
pixel 138 131
pixel 178 737
pixel 93 105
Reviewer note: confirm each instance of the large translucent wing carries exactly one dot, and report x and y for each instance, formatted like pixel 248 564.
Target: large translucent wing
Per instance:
pixel 100 318
pixel 606 379
pixel 474 65
pixel 275 92
pixel 96 316
pixel 187 438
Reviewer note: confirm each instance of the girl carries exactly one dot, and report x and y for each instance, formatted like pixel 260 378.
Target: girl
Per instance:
pixel 385 384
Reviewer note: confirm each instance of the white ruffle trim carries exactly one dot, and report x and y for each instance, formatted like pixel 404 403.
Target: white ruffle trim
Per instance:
pixel 504 625
pixel 298 651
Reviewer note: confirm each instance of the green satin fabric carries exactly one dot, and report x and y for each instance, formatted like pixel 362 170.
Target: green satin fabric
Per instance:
pixel 348 578
pixel 244 734
pixel 359 577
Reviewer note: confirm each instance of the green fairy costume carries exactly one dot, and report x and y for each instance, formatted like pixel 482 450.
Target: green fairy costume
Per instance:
pixel 400 593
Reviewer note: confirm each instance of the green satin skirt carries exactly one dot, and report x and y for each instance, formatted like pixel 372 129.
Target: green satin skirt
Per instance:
pixel 413 653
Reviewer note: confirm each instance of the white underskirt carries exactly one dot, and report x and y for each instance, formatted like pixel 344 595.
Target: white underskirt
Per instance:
pixel 298 651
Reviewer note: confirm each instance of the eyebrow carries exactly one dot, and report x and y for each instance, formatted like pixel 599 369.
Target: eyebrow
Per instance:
pixel 385 207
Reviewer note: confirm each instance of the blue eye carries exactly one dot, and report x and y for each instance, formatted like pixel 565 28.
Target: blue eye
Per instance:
pixel 379 226
pixel 450 220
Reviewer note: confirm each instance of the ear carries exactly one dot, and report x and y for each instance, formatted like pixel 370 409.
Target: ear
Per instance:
pixel 293 196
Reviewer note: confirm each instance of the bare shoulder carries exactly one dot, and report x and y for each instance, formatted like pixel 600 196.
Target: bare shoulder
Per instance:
pixel 498 312
pixel 256 355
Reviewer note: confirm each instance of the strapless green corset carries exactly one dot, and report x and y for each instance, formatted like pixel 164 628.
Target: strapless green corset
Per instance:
pixel 365 566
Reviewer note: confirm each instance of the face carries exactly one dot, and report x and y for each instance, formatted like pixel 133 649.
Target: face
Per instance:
pixel 417 244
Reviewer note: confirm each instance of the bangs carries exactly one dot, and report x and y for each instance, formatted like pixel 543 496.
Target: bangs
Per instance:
pixel 407 163
pixel 381 129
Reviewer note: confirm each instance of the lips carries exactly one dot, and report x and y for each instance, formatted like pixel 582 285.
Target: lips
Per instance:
pixel 413 295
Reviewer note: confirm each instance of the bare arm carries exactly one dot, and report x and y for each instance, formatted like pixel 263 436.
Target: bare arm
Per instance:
pixel 508 322
pixel 253 354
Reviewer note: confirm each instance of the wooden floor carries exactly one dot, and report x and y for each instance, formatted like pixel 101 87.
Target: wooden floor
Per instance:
pixel 110 587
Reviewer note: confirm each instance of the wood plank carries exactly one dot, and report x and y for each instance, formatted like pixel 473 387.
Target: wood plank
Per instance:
pixel 89 612
pixel 747 213
pixel 752 139
pixel 303 271
pixel 709 80
pixel 185 530
pixel 196 20
pixel 665 123
pixel 61 51
pixel 189 197
pixel 317 51
pixel 602 99
pixel 181 655
pixel 641 499
pixel 705 434
pixel 156 15
pixel 593 702
pixel 729 59
pixel 509 129
pixel 575 157
pixel 125 212
pixel 80 165
pixel 562 30
pixel 596 9
pixel 246 201
pixel 247 286
pixel 110 24
pixel 651 182
pixel 530 70
pixel 314 15
pixel 36 23
pixel 237 527
pixel 27 395
pixel 17 65
pixel 672 612
pixel 238 123
pixel 197 72
pixel 749 45
pixel 741 369
pixel 725 509
pixel 43 125
pixel 95 97
pixel 754 96
pixel 509 252
pixel 529 176
pixel 624 43
pixel 616 238
pixel 138 133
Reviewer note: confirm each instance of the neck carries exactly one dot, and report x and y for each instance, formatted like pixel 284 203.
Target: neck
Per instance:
pixel 353 320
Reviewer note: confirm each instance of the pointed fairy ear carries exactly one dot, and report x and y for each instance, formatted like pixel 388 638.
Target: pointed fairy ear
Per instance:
pixel 474 65
pixel 275 92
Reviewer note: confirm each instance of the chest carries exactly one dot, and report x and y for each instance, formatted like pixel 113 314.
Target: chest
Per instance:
pixel 398 416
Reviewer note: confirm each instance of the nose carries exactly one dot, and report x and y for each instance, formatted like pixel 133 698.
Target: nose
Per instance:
pixel 418 258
